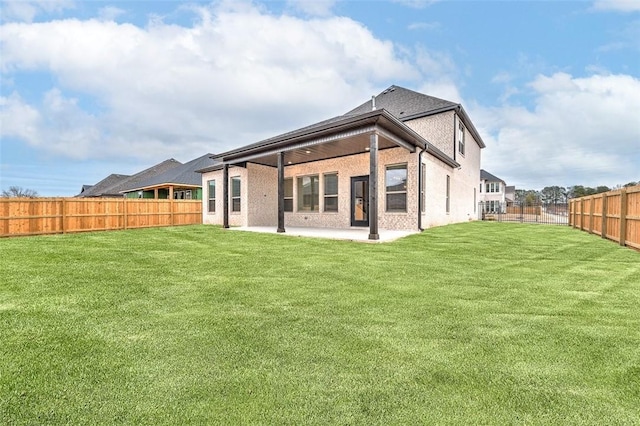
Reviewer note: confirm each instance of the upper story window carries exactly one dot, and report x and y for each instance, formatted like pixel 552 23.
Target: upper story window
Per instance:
pixel 461 133
pixel 493 187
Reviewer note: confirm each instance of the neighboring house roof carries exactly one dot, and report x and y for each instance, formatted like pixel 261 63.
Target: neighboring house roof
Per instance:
pixel 103 187
pixel 486 176
pixel 185 174
pixel 113 184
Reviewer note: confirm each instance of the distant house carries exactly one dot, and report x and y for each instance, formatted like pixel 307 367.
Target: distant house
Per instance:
pixel 402 160
pixel 107 187
pixel 492 192
pixel 179 182
pixel 114 184
pixel 510 193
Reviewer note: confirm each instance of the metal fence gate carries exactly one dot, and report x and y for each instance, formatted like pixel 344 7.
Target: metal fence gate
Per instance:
pixel 551 213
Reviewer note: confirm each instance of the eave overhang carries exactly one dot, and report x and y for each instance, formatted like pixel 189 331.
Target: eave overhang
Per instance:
pixel 162 185
pixel 336 138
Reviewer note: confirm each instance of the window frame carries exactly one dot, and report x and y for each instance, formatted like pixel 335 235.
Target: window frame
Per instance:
pixel 212 200
pixel 289 208
pixel 236 198
pixel 400 166
pixel 314 196
pixel 461 137
pixel 448 195
pixel 331 196
pixel 423 189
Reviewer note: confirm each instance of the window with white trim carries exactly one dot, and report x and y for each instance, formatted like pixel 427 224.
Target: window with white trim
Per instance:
pixel 493 187
pixel 448 194
pixel 423 192
pixel 461 133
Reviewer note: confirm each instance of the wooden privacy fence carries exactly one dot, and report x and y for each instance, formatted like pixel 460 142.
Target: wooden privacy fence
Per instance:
pixel 36 216
pixel 614 215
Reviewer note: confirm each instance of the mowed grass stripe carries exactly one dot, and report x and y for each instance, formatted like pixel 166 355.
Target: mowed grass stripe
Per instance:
pixel 484 323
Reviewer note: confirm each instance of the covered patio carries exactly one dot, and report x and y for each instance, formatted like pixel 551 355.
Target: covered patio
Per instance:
pixel 350 234
pixel 366 133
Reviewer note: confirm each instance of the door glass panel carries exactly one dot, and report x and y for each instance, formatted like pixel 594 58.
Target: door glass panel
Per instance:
pixel 360 213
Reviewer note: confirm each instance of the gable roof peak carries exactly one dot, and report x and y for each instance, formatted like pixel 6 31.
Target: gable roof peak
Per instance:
pixel 403 103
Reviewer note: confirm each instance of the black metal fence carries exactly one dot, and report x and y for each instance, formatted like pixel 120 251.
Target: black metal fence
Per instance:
pixel 551 213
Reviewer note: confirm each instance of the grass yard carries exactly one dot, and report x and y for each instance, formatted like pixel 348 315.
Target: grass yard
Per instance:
pixel 478 323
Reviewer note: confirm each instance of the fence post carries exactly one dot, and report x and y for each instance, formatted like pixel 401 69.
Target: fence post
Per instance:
pixel 64 216
pixel 591 211
pixel 124 212
pixel 623 217
pixel 603 228
pixel 172 205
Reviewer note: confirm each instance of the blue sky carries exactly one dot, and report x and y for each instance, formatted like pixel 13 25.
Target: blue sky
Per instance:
pixel 90 88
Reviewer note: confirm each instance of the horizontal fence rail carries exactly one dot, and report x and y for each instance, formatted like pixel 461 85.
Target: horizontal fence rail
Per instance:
pixel 614 215
pixel 525 212
pixel 39 216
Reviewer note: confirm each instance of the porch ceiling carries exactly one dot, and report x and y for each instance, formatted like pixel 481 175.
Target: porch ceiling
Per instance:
pixel 334 138
pixel 318 150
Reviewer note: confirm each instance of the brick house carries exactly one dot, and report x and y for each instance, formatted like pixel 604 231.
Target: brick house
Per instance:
pixel 402 160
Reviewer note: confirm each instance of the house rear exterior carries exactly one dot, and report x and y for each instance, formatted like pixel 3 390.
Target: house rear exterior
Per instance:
pixel 400 161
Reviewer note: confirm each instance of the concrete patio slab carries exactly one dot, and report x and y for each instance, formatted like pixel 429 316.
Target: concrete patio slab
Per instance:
pixel 351 234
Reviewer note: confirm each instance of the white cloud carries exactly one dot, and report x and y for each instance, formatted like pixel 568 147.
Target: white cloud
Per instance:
pixel 313 7
pixel 110 13
pixel 580 131
pixel 617 5
pixel 235 77
pixel 440 73
pixel 27 10
pixel 416 4
pixel 414 26
pixel 19 119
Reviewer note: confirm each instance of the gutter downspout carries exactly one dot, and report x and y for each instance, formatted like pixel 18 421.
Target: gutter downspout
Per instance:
pixel 420 183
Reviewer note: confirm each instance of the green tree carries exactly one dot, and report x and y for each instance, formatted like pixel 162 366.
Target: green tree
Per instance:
pixel 553 194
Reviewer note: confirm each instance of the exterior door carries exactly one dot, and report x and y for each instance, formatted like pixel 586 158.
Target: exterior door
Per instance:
pixel 360 201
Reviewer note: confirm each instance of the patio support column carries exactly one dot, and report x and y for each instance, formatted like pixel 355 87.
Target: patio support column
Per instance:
pixel 281 192
pixel 373 187
pixel 225 196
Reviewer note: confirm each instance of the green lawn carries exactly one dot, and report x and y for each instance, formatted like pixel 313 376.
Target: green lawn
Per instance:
pixel 478 323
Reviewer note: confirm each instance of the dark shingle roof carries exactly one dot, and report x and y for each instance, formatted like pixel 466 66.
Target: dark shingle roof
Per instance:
pixel 113 185
pixel 103 187
pixel 485 175
pixel 184 174
pixel 404 103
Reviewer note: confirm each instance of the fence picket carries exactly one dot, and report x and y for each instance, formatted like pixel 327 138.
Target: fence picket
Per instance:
pixel 38 216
